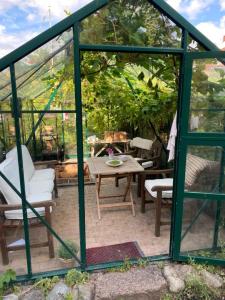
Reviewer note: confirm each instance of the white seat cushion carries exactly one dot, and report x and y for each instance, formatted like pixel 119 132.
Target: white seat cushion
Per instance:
pixel 18 214
pixel 39 187
pixel 43 174
pixel 149 184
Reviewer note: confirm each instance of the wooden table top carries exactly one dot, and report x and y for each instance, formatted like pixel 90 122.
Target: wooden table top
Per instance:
pixel 97 166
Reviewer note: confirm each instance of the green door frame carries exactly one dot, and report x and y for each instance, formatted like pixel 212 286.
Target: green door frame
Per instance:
pixel 186 138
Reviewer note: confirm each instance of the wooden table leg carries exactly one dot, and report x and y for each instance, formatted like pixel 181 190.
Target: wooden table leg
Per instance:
pixel 98 187
pixel 127 187
pixel 111 205
pixel 129 190
pixel 131 198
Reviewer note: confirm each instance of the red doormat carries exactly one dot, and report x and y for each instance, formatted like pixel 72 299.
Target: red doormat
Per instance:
pixel 111 253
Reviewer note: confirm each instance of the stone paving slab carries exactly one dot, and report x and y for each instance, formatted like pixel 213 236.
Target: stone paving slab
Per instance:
pixel 143 284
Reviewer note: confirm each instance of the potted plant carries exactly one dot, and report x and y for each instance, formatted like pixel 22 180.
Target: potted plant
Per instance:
pixel 65 256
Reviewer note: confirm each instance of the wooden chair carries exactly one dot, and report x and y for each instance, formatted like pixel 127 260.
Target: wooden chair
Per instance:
pixel 148 155
pixel 201 175
pixel 159 191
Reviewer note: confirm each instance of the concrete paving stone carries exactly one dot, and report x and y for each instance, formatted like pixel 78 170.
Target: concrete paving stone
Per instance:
pixel 212 280
pixel 131 285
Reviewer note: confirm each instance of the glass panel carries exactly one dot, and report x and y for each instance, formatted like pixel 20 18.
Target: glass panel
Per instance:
pixel 44 146
pixel 202 228
pixel 7 142
pixel 5 90
pixel 45 77
pixel 207 105
pixel 38 77
pixel 130 22
pixel 205 169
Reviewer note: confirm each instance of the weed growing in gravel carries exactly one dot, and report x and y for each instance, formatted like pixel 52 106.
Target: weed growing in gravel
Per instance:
pixel 167 297
pixel 160 264
pixel 46 284
pixel 76 277
pixel 68 296
pixel 143 263
pixel 197 289
pixel 126 266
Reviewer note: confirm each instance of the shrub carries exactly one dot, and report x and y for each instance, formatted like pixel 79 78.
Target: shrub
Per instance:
pixel 64 253
pixel 6 279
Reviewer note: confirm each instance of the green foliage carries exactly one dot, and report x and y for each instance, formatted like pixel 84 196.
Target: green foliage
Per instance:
pixel 196 289
pixel 167 296
pixel 16 289
pixel 64 253
pixel 76 277
pixel 128 22
pixel 160 264
pixel 143 263
pixel 68 296
pixel 6 280
pixel 46 284
pixel 125 267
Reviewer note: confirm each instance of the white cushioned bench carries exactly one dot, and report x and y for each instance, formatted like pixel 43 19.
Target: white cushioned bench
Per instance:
pixel 39 184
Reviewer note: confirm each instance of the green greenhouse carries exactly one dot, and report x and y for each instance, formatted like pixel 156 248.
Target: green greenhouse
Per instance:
pixel 112 142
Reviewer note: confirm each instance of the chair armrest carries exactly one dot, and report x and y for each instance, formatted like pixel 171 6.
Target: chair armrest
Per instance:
pixel 156 172
pixel 155 157
pixel 144 160
pixel 160 188
pixel 7 207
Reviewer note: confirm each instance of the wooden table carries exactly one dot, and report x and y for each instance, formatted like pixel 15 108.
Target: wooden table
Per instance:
pixel 100 170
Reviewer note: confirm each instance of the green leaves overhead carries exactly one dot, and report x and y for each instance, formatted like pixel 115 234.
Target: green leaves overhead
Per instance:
pixel 130 22
pixel 127 95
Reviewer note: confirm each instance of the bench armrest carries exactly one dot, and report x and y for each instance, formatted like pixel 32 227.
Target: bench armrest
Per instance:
pixel 46 162
pixel 7 207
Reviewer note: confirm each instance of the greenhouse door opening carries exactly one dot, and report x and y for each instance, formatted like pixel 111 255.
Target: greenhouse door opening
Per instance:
pixel 130 102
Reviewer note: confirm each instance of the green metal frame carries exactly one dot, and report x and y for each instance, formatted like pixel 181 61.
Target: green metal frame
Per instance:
pixel 47 107
pixel 183 140
pixel 187 138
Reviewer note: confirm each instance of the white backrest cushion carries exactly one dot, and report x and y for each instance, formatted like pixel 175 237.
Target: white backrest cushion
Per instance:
pixel 141 143
pixel 12 153
pixel 9 168
pixel 27 161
